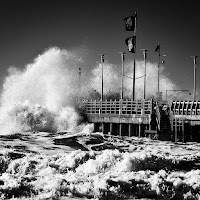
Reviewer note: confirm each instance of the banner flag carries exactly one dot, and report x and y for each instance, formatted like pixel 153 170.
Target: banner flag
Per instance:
pixel 157 47
pixel 130 23
pixel 131 43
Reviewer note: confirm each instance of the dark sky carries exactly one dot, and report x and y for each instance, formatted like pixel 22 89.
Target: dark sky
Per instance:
pixel 28 27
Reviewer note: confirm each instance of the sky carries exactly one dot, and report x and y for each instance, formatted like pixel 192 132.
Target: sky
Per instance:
pixel 28 27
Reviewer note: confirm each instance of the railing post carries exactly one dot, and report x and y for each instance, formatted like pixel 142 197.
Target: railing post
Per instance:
pixel 136 106
pixel 110 106
pixel 115 112
pixel 106 105
pixel 120 107
pixel 126 106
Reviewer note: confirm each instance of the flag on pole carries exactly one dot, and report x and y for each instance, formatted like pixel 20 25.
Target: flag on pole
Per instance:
pixel 157 47
pixel 131 42
pixel 79 71
pixel 130 23
pixel 195 60
pixel 102 57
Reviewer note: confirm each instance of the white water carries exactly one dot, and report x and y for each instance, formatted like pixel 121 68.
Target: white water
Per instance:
pixel 45 96
pixel 42 166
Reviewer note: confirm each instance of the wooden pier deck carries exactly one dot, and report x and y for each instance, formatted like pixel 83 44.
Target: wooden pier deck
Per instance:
pixel 161 120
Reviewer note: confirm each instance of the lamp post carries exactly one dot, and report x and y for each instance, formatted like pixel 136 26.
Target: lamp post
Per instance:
pixel 194 89
pixel 79 79
pixel 134 56
pixel 122 81
pixel 102 61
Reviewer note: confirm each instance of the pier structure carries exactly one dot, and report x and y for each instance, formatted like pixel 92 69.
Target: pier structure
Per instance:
pixel 122 117
pixel 185 120
pixel 178 121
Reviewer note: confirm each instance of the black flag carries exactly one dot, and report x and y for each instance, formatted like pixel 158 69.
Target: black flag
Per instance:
pixel 79 71
pixel 195 60
pixel 130 23
pixel 157 47
pixel 131 42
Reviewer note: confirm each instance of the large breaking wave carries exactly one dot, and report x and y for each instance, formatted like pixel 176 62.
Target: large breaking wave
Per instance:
pixel 46 94
pixel 43 95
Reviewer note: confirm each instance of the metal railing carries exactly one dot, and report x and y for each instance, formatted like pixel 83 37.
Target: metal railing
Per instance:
pixel 121 107
pixel 185 107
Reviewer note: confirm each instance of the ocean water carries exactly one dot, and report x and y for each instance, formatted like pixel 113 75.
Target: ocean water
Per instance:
pixel 95 166
pixel 48 150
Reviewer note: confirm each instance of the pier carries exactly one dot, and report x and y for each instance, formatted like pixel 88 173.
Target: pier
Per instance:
pixel 178 121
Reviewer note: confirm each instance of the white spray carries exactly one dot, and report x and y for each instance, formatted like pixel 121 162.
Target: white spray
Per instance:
pixel 43 96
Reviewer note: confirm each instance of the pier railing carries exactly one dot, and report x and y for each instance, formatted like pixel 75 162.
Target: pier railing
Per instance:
pixel 185 108
pixel 125 108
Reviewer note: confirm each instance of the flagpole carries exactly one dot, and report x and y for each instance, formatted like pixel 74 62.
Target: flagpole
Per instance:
pixel 194 90
pixel 145 57
pixel 102 61
pixel 159 68
pixel 134 56
pixel 79 80
pixel 122 81
pixel 133 76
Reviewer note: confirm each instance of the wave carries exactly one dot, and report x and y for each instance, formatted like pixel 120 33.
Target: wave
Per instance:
pixel 149 169
pixel 48 94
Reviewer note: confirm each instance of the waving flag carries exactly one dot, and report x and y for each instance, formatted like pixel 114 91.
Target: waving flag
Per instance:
pixel 195 60
pixel 130 23
pixel 157 47
pixel 130 42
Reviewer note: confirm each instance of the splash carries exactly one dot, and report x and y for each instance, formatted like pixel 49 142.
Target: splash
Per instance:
pixel 42 96
pixel 112 80
pixel 50 81
pixel 47 95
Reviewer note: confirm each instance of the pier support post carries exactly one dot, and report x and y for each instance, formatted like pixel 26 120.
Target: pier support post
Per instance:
pixel 120 129
pixel 111 128
pixel 103 127
pixel 140 129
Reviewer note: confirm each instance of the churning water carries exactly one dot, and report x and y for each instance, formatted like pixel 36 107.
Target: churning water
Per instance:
pixel 48 151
